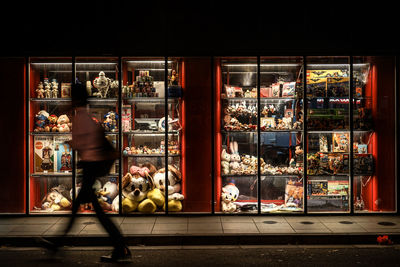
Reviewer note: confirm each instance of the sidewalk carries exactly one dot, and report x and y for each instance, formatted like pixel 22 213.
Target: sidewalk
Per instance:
pixel 207 230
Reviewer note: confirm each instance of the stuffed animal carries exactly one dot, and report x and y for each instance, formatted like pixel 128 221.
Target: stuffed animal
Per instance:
pixel 135 186
pixel 173 188
pixel 41 120
pixel 234 165
pixel 225 159
pixel 110 122
pixel 63 124
pixel 107 194
pixel 52 127
pixel 229 194
pixel 56 199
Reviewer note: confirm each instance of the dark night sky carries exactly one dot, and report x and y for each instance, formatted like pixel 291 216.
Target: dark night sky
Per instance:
pixel 197 28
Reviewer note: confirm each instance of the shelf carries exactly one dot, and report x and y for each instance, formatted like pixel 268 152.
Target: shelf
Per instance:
pixel 110 175
pixel 328 175
pixel 52 174
pixel 150 99
pixel 270 131
pixel 51 133
pixel 262 175
pixel 151 155
pixel 329 131
pixel 263 99
pixel 103 101
pixel 146 133
pixel 55 101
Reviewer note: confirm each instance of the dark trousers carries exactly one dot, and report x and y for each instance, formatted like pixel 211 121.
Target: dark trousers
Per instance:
pixel 91 171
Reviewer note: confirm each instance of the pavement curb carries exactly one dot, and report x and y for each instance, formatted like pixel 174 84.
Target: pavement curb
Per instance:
pixel 187 240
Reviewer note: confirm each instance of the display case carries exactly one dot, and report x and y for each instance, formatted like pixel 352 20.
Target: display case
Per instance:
pixel 259 135
pixel 281 136
pixel 100 76
pixel 152 134
pixel 328 134
pixel 50 156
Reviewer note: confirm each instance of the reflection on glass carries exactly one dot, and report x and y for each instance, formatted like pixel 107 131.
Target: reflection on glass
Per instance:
pixel 328 83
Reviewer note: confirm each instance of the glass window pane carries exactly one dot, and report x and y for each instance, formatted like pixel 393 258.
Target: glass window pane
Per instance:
pixel 100 75
pixel 328 137
pixel 143 140
pixel 236 142
pixel 281 123
pixel 50 127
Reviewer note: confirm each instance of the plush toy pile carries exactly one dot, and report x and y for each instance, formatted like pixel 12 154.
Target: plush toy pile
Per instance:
pixel 143 189
pixel 57 199
pixel 44 122
pixel 229 195
pixel 235 164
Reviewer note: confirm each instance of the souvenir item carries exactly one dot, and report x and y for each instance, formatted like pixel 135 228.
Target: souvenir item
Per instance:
pixel 323 143
pixel 340 142
pixel 63 154
pixel 44 154
pixel 288 89
pixel 229 195
pixel 103 84
pixel 126 118
pixel 54 89
pixel 40 91
pixel 65 90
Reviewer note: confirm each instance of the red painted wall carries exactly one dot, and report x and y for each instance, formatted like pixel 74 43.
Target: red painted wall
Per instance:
pixel 198 134
pixel 12 175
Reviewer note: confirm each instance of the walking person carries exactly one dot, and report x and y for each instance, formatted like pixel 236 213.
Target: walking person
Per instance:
pixel 96 156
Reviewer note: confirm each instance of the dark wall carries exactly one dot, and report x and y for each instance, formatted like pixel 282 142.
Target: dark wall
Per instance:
pixel 12 174
pixel 199 28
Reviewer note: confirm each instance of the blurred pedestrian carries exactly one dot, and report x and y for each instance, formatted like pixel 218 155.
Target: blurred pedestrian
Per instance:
pixel 96 156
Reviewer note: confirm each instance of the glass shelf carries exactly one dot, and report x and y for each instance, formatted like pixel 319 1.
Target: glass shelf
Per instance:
pixel 50 133
pixel 60 174
pixel 150 99
pixel 150 133
pixel 152 155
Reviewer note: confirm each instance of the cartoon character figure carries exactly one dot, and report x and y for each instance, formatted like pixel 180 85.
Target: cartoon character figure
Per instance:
pixel 229 194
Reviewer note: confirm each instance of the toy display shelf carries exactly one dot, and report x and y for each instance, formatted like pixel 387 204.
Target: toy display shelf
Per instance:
pixel 50 212
pixel 263 99
pixel 336 196
pixel 111 133
pixel 262 175
pixel 110 175
pixel 151 155
pixel 55 101
pixel 103 101
pixel 329 175
pixel 329 131
pixel 265 131
pixel 50 133
pixel 151 133
pixel 52 174
pixel 150 99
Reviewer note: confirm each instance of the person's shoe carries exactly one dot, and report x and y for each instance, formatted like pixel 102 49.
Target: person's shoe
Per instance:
pixel 118 256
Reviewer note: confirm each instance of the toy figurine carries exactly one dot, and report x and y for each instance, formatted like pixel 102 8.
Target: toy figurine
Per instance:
pixel 47 90
pixel 102 83
pixel 110 122
pixel 54 90
pixel 40 90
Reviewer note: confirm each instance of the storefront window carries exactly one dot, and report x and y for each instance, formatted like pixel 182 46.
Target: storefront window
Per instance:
pixel 328 134
pixel 236 140
pixel 50 158
pixel 281 123
pixel 100 75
